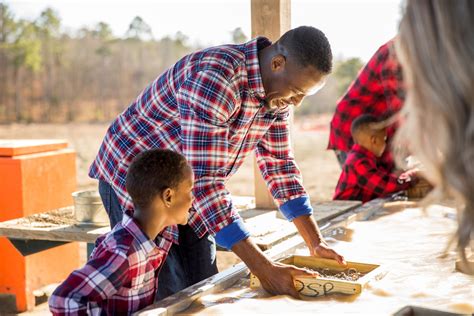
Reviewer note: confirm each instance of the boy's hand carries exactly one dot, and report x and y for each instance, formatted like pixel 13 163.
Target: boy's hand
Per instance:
pixel 409 175
pixel 324 251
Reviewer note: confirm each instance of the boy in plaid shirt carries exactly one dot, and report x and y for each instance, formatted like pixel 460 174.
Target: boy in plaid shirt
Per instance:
pixel 378 90
pixel 363 178
pixel 121 276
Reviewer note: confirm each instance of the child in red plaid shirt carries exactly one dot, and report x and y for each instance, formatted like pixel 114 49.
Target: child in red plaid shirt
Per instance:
pixel 121 276
pixel 362 178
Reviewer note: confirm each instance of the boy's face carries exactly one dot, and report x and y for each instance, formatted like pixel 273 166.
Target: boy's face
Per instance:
pixel 182 199
pixel 379 142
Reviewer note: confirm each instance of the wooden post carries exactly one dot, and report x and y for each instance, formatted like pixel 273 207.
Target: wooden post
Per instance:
pixel 270 18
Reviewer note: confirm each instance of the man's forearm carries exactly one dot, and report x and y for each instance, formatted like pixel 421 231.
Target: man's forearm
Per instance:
pixel 253 257
pixel 311 234
pixel 309 230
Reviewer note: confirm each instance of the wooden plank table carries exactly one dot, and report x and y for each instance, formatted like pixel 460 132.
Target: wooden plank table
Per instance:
pixel 219 282
pixel 60 225
pixel 266 227
pixel 270 227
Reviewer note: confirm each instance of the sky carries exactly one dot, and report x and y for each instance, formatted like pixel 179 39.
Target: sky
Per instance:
pixel 354 28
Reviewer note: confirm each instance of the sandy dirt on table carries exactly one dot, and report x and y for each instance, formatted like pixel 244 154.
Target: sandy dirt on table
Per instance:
pixel 408 244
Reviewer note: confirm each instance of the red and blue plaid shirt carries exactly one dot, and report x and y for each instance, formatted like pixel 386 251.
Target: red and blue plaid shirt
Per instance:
pixel 210 107
pixel 377 90
pixel 121 276
pixel 363 179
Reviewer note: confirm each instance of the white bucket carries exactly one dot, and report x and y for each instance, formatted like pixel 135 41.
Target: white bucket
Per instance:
pixel 88 208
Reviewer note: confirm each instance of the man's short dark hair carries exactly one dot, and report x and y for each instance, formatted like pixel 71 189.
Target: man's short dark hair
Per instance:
pixel 153 171
pixel 364 123
pixel 309 46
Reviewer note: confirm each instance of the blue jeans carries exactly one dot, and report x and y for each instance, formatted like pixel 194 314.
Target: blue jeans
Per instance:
pixel 190 262
pixel 111 203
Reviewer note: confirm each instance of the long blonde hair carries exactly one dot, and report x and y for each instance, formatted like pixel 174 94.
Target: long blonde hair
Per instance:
pixel 436 49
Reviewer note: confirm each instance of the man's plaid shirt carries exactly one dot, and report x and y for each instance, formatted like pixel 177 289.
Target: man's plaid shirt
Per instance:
pixel 121 276
pixel 209 107
pixel 363 180
pixel 377 90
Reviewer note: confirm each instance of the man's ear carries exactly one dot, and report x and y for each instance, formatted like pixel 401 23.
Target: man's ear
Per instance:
pixel 167 196
pixel 278 62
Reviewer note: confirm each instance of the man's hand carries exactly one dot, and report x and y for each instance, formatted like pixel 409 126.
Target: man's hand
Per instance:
pixel 278 279
pixel 309 230
pixel 324 251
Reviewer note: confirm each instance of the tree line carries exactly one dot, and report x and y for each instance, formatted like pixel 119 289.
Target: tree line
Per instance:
pixel 49 74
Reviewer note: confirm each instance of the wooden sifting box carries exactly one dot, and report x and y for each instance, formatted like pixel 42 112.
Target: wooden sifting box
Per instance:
pixel 318 286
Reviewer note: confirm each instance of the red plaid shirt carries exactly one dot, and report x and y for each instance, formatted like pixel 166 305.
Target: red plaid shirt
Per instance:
pixel 378 90
pixel 121 276
pixel 209 107
pixel 363 180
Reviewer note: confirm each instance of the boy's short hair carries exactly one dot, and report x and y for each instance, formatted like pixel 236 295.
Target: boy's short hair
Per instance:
pixel 153 171
pixel 309 46
pixel 364 124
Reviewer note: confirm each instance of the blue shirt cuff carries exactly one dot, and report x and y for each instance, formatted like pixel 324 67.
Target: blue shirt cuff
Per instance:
pixel 228 236
pixel 296 207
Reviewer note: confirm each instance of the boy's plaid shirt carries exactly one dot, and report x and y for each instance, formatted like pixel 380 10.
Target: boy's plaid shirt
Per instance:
pixel 209 107
pixel 378 90
pixel 363 180
pixel 121 276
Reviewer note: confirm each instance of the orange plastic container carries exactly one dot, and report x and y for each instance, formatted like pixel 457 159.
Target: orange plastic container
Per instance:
pixel 35 176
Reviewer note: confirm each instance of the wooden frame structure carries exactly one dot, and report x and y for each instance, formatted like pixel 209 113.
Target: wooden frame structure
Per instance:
pixel 319 286
pixel 60 225
pixel 270 18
